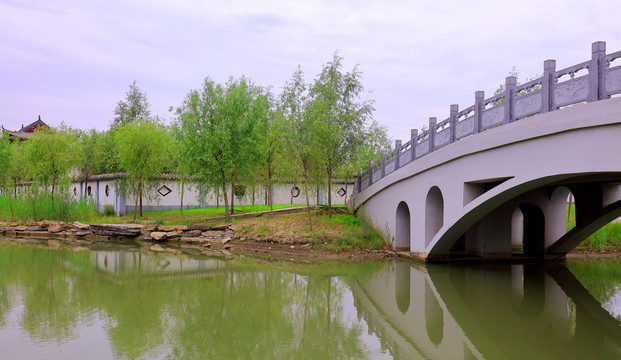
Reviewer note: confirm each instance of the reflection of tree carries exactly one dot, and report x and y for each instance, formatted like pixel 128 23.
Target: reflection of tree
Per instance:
pixel 602 278
pixel 239 311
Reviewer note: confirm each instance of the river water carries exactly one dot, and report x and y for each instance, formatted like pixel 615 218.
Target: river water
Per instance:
pixel 126 302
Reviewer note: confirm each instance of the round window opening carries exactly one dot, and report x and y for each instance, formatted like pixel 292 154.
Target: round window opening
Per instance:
pixel 107 190
pixel 295 191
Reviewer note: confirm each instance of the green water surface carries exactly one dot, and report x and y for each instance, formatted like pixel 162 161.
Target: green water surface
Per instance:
pixel 126 302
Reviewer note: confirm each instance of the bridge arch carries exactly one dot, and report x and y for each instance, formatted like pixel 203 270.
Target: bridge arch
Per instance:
pixel 434 213
pixel 533 236
pixel 403 223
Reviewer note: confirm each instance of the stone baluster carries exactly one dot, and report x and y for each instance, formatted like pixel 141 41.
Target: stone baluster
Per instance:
pixel 384 155
pixel 597 72
pixel 432 133
pixel 479 97
pixel 453 121
pixel 510 83
pixel 547 86
pixel 413 138
pixel 371 166
pixel 397 153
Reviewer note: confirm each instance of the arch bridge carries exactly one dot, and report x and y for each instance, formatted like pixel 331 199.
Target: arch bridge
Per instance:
pixel 492 181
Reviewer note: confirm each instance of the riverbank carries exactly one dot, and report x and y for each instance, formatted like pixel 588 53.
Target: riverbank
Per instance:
pixel 285 234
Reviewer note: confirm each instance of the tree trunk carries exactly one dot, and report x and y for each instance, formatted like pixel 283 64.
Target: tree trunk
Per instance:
pixel 217 198
pixel 269 187
pixel 233 199
pixel 140 191
pixel 136 205
pixel 227 214
pixel 84 195
pixel 253 195
pixel 52 195
pixel 329 193
pixel 310 221
pixel 182 188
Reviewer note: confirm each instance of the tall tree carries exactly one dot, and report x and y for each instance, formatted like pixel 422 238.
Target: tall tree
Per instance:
pixel 87 154
pixel 48 157
pixel 135 107
pixel 143 152
pixel 341 116
pixel 219 124
pixel 301 139
pixel 6 163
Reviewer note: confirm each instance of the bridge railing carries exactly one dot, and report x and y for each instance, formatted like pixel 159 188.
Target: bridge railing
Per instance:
pixel 589 81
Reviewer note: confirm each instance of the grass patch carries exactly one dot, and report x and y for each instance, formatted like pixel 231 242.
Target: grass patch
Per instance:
pixel 605 239
pixel 35 208
pixel 340 232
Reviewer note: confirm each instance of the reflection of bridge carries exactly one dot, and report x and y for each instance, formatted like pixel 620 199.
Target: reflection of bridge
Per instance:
pixel 500 312
pixel 446 194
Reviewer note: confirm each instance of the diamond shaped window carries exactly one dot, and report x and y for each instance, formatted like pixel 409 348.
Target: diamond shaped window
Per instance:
pixel 164 190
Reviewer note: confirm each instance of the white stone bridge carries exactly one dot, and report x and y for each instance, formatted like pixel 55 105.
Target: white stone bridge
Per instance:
pixel 492 181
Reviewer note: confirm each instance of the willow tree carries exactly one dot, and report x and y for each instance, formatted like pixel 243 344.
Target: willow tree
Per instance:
pixel 88 153
pixel 342 117
pixel 218 122
pixel 6 162
pixel 143 148
pixel 301 130
pixel 48 158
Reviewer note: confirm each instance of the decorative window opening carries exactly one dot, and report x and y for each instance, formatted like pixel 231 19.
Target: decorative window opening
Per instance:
pixel 164 190
pixel 75 191
pixel 107 190
pixel 88 191
pixel 295 191
pixel 342 192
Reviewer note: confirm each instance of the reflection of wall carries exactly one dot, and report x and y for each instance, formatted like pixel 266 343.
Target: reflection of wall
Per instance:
pixel 120 261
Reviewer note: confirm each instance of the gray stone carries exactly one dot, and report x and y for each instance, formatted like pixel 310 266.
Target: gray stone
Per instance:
pixel 56 228
pixel 116 229
pixel 202 227
pixel 193 233
pixel 79 225
pixel 158 235
pixel 168 228
pixel 220 227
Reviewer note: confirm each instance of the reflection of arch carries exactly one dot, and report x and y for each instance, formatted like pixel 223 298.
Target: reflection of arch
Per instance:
pixel 533 291
pixel 402 241
pixel 434 318
pixel 434 213
pixel 533 230
pixel 402 285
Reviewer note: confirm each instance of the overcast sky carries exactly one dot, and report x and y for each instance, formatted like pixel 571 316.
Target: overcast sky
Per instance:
pixel 72 61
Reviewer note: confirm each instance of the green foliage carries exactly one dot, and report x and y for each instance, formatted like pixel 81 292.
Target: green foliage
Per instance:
pixel 108 210
pixel 134 108
pixel 48 159
pixel 88 153
pixel 36 207
pixel 264 230
pixel 142 152
pixel 219 125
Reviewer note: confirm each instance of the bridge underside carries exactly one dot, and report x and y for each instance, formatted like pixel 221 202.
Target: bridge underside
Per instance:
pixel 537 224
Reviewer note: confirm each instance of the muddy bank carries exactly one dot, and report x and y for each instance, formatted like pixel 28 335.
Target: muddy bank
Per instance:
pixel 206 239
pixel 203 239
